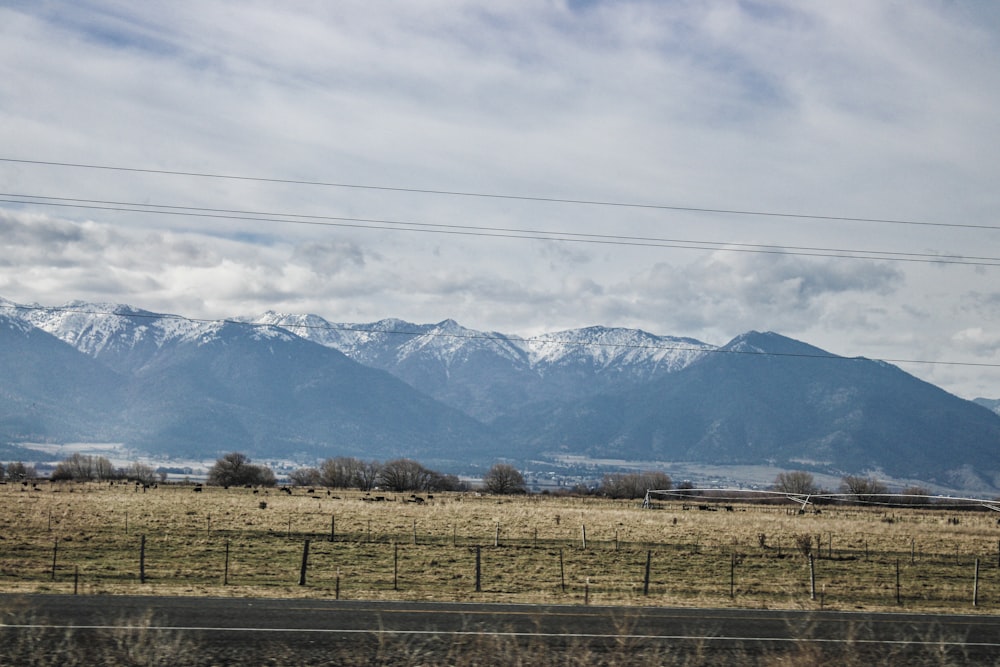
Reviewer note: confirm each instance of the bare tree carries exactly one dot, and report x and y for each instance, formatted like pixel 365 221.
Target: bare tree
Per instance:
pixel 634 484
pixel 504 479
pixel 18 472
pixel 304 477
pixel 404 475
pixel 84 468
pixel 235 469
pixel 103 469
pixel 368 474
pixel 140 472
pixel 864 489
pixel 796 481
pixel 341 472
pixel 686 485
pixel 916 495
pixel 441 482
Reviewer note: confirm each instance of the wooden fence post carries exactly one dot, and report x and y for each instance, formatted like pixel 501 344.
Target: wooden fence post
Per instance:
pixel 645 581
pixel 55 551
pixel 479 570
pixel 732 576
pixel 975 586
pixel 225 571
pixel 305 563
pixel 812 577
pixel 562 572
pixel 899 600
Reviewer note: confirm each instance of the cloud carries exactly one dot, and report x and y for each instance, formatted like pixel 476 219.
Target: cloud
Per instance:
pixel 754 290
pixel 328 258
pixel 979 341
pixel 858 109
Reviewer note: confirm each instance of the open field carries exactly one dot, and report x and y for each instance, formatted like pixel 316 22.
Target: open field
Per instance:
pixel 98 538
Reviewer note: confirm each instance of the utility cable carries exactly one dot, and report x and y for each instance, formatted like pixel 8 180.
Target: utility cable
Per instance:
pixel 486 195
pixel 496 232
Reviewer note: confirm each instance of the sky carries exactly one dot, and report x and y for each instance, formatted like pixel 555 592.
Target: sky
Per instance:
pixel 698 169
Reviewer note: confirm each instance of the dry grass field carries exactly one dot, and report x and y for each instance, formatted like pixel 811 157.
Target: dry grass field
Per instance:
pixel 100 538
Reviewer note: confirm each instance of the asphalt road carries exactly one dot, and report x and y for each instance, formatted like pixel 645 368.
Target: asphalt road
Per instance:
pixel 233 626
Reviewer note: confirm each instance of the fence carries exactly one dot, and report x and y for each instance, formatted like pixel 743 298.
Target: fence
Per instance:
pixel 358 560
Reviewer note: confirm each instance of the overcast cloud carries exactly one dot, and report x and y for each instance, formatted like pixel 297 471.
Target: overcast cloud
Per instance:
pixel 878 110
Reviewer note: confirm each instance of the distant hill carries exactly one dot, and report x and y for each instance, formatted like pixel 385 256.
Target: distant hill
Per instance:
pixel 764 398
pixel 186 388
pixel 301 387
pixel 51 392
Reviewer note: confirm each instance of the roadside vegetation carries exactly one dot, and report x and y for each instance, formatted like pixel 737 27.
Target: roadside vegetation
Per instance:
pixel 144 642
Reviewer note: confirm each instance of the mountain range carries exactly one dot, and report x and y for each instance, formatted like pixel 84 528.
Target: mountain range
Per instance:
pixel 298 386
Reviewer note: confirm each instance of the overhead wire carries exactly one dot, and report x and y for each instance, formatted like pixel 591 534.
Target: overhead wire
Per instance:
pixel 469 230
pixel 495 232
pixel 488 195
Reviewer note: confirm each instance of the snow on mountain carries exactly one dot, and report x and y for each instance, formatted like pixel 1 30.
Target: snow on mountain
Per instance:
pixel 482 373
pixel 453 343
pixel 93 327
pixel 393 341
pixel 614 349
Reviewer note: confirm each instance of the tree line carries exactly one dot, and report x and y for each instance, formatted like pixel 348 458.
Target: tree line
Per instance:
pixel 84 468
pixel 345 472
pixel 863 488
pixel 407 475
pixel 17 471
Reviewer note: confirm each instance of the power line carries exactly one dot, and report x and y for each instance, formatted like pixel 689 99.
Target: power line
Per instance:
pixel 486 195
pixel 328 326
pixel 495 232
